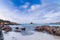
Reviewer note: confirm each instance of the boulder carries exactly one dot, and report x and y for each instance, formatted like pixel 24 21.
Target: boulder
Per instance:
pixel 39 28
pixel 46 28
pixel 54 30
pixel 17 29
pixel 23 29
pixel 1 26
pixel 7 28
pixel 57 32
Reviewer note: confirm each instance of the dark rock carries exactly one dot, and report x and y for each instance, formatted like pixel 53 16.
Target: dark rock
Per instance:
pixel 6 28
pixel 54 30
pixel 17 29
pixel 23 29
pixel 57 32
pixel 39 28
pixel 1 35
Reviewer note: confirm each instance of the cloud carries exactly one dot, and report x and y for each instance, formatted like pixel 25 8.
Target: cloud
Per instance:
pixel 34 7
pixel 13 15
pixel 38 13
pixel 52 17
pixel 25 6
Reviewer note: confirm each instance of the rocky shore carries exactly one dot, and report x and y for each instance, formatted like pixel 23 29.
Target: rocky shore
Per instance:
pixel 7 28
pixel 54 30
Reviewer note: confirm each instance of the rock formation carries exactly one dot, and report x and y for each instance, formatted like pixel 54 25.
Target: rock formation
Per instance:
pixel 6 28
pixel 23 29
pixel 17 29
pixel 50 29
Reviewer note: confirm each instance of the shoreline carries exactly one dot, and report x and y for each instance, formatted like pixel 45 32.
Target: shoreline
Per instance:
pixel 54 30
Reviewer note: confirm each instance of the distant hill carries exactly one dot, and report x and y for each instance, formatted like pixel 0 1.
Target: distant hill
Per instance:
pixel 55 23
pixel 8 22
pixel 1 20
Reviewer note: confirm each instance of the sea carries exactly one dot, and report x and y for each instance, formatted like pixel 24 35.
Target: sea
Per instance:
pixel 31 26
pixel 30 33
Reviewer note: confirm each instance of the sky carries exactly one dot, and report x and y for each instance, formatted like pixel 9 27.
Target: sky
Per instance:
pixel 26 11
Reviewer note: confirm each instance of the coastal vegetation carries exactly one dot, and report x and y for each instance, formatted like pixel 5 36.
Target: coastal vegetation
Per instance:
pixel 5 22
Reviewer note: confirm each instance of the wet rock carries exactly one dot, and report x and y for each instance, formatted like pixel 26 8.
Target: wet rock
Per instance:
pixel 23 29
pixel 46 28
pixel 17 29
pixel 57 32
pixel 7 28
pixel 54 30
pixel 1 26
pixel 39 28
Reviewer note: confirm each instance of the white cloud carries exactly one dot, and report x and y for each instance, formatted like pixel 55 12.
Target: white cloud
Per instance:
pixel 25 6
pixel 13 15
pixel 52 17
pixel 34 7
pixel 36 13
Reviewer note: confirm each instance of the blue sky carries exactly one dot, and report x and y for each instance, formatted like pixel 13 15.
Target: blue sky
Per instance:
pixel 26 11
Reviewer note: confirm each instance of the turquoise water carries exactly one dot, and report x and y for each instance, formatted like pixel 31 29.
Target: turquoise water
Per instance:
pixel 54 25
pixel 31 26
pixel 34 25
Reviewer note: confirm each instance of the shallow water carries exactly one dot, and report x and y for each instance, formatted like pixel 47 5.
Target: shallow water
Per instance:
pixel 29 34
pixel 35 36
pixel 31 26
